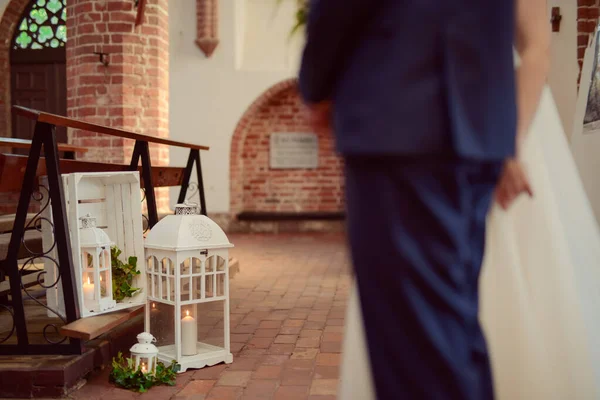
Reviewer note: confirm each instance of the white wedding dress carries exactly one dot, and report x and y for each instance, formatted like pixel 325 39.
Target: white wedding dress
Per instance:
pixel 540 284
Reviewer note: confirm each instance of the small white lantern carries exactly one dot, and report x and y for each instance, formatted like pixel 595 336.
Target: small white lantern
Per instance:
pixel 187 256
pixel 144 353
pixel 96 268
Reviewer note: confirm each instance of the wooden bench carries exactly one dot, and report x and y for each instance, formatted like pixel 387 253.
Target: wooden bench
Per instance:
pixel 12 171
pixel 290 216
pixel 69 150
pixel 92 327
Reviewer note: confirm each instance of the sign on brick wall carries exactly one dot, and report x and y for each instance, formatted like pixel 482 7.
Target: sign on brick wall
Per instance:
pixel 294 150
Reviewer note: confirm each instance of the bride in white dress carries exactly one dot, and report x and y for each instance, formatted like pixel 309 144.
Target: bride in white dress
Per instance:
pixel 540 285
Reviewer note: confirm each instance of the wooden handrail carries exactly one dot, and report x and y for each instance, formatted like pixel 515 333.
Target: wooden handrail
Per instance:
pixel 59 120
pixel 12 171
pixel 26 144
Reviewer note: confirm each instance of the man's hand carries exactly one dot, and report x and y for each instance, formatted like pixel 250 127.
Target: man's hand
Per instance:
pixel 513 182
pixel 319 117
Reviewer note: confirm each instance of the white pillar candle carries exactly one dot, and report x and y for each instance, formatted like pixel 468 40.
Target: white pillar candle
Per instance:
pixel 189 335
pixel 88 290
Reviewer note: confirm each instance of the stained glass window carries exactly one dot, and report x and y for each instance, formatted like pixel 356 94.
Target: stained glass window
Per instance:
pixel 43 26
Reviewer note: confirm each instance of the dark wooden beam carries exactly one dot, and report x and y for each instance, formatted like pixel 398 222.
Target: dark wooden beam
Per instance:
pixel 59 120
pixel 26 144
pixel 12 170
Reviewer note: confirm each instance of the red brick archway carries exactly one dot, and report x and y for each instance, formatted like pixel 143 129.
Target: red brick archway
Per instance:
pixel 588 12
pixel 254 186
pixel 8 23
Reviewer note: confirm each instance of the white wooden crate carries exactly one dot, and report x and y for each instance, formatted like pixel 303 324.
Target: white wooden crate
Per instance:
pixel 114 198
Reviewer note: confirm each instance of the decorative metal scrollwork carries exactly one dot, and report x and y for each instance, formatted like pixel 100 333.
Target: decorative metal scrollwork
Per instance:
pixel 193 190
pixel 147 223
pixel 145 217
pixel 42 195
pixel 12 329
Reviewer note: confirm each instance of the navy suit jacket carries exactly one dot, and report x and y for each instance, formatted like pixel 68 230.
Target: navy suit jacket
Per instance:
pixel 411 77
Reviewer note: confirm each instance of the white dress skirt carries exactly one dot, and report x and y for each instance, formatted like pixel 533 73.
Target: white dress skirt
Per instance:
pixel 539 289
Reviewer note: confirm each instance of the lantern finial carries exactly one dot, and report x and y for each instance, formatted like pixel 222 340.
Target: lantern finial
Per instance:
pixel 187 208
pixel 87 221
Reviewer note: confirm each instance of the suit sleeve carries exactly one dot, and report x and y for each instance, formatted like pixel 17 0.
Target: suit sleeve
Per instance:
pixel 332 30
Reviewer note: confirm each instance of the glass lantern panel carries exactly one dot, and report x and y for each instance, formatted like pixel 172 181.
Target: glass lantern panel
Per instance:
pixel 184 273
pixel 145 364
pixel 152 265
pixel 101 258
pixel 105 284
pixel 164 290
pixel 186 288
pixel 107 263
pixel 156 286
pixel 210 264
pixel 171 288
pixel 87 261
pixel 162 325
pixel 196 266
pixel 209 286
pixel 211 319
pixel 171 267
pixel 196 287
pixel 185 267
pixel 152 269
pixel 220 284
pixel 167 281
pixel 220 264
pixel 89 291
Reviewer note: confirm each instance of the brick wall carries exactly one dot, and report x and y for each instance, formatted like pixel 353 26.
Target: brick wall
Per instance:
pixel 8 23
pixel 207 26
pixel 132 92
pixel 256 187
pixel 587 19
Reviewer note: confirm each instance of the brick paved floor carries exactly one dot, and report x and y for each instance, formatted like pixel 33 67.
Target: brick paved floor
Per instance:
pixel 287 314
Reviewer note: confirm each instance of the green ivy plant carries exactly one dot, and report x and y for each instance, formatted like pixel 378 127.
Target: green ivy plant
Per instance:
pixel 301 15
pixel 122 275
pixel 125 375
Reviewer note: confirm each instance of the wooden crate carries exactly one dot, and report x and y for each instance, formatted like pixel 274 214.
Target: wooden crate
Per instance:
pixel 114 198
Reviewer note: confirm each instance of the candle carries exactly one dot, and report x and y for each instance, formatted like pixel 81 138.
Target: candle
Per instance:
pixel 189 335
pixel 88 290
pixel 143 368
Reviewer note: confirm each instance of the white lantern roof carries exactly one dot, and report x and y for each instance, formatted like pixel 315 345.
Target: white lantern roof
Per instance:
pixel 187 229
pixel 144 346
pixel 90 235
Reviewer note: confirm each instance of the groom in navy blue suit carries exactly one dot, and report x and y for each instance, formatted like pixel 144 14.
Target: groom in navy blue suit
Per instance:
pixel 421 96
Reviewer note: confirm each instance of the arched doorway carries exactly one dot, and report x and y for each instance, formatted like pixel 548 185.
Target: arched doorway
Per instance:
pixel 38 64
pixel 305 198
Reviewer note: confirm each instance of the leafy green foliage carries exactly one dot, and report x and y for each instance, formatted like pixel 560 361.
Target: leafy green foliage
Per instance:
pixel 126 376
pixel 122 275
pixel 301 15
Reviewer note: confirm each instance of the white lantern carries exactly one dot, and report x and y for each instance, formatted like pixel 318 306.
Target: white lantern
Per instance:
pixel 187 257
pixel 144 353
pixel 96 268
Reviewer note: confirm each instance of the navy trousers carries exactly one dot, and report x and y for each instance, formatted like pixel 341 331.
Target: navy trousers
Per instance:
pixel 417 231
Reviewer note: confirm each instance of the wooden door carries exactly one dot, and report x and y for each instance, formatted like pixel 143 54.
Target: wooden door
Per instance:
pixel 42 87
